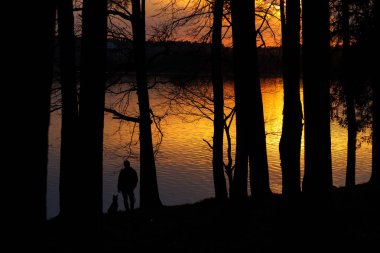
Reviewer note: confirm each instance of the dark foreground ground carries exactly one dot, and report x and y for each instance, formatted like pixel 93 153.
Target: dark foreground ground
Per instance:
pixel 351 223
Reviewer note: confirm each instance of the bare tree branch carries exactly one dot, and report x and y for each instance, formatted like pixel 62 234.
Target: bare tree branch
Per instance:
pixel 208 144
pixel 118 115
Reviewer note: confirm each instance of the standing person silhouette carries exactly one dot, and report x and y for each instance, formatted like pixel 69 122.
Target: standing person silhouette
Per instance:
pixel 127 182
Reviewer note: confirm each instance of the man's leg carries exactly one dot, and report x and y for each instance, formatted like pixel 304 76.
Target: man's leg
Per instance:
pixel 125 198
pixel 131 196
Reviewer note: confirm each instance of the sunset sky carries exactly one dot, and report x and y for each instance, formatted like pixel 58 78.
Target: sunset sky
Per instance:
pixel 156 18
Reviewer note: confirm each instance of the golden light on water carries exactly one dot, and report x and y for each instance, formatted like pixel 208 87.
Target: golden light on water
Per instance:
pixel 184 161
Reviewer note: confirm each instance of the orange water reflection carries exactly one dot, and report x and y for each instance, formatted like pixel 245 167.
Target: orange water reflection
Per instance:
pixel 184 160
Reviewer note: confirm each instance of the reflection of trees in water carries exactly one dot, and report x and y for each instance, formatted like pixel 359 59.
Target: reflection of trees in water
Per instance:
pixel 355 21
pixel 363 109
pixel 195 102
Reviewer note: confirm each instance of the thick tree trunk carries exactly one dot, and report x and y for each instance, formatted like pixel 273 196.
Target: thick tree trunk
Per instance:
pixel 217 84
pixel 92 92
pixel 27 72
pixel 149 196
pixel 250 134
pixel 350 101
pixel 375 177
pixel 26 139
pixel 240 179
pixel 34 171
pixel 290 143
pixel 68 186
pixel 316 45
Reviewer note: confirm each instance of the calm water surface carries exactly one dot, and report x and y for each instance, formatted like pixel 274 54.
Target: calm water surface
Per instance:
pixel 184 162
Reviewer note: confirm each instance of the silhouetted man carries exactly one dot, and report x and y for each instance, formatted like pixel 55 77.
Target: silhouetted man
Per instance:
pixel 127 182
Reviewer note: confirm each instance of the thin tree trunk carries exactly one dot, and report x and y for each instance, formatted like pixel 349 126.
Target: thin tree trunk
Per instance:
pixel 92 93
pixel 250 134
pixel 149 196
pixel 290 143
pixel 351 143
pixel 69 144
pixel 316 85
pixel 350 101
pixel 229 166
pixel 217 84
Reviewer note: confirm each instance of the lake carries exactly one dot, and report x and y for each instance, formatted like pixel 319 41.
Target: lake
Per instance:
pixel 184 160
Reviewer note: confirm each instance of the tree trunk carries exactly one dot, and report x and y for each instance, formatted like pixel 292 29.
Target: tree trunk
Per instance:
pixel 68 187
pixel 229 166
pixel 26 139
pixel 27 72
pixel 149 196
pixel 351 143
pixel 217 84
pixel 316 45
pixel 350 101
pixel 375 177
pixel 34 171
pixel 92 92
pixel 290 143
pixel 240 179
pixel 250 134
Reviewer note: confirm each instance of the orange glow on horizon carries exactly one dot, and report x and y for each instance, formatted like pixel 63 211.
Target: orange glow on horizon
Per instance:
pixel 271 35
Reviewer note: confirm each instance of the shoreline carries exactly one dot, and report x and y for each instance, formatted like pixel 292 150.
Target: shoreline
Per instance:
pixel 213 226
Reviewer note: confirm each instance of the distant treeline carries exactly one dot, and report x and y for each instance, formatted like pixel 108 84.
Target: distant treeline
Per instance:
pixel 193 58
pixel 187 58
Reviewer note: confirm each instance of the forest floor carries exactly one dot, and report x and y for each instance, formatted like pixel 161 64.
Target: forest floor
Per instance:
pixel 351 223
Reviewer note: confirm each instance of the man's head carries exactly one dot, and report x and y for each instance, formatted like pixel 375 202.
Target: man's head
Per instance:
pixel 126 163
